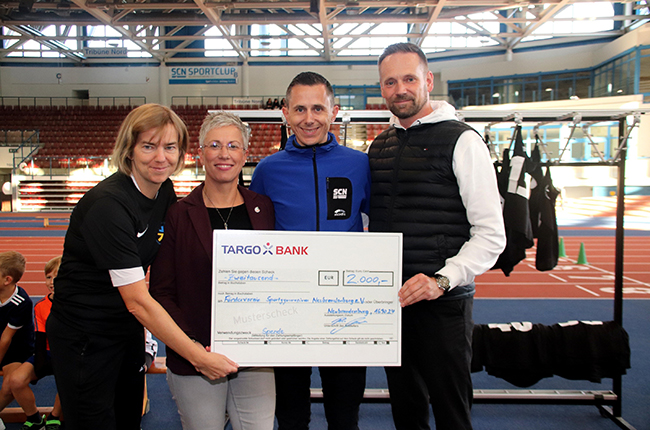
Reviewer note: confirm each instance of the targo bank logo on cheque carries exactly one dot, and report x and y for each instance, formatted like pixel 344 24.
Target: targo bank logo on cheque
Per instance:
pixel 266 249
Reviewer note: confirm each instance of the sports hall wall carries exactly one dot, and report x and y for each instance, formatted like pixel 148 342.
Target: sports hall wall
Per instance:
pixel 543 60
pixel 269 79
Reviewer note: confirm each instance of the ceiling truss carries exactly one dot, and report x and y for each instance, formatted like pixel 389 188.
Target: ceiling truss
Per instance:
pixel 167 29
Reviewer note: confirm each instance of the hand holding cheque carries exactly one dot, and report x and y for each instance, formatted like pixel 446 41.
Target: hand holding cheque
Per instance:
pixel 307 298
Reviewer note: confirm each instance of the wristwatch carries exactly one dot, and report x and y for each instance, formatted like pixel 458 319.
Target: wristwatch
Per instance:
pixel 443 282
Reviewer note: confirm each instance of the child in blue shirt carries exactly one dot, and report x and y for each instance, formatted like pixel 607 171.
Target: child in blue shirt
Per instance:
pixel 16 321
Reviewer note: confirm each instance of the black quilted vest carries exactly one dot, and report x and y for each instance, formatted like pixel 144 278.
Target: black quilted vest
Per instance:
pixel 415 191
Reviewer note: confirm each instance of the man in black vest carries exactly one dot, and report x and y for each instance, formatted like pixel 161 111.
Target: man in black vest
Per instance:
pixel 433 180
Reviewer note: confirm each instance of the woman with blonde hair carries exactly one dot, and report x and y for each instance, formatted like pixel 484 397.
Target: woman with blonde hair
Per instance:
pixel 181 281
pixel 95 328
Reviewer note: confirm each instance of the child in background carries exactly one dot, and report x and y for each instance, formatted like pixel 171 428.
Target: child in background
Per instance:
pixel 38 365
pixel 16 321
pixel 150 350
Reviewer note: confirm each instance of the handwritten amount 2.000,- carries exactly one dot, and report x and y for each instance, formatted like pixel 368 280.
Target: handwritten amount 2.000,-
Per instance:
pixel 370 279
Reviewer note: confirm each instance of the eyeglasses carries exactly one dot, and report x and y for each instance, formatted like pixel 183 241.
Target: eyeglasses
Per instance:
pixel 217 146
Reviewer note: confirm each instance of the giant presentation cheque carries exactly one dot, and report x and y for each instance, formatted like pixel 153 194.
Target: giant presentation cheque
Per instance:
pixel 307 298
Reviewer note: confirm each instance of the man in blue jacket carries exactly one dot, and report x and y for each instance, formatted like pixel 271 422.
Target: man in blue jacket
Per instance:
pixel 315 185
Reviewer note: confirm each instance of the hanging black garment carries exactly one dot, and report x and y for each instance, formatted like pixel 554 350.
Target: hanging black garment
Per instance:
pixel 512 187
pixel 536 190
pixel 283 136
pixel 542 214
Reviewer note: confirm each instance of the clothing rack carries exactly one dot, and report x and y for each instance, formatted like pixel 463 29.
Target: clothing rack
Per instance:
pixel 608 402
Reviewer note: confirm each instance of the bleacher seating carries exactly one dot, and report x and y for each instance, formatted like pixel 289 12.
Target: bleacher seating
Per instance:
pixel 72 136
pixel 83 136
pixel 264 140
pixel 373 130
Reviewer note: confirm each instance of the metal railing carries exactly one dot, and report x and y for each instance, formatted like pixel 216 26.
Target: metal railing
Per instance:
pixel 256 102
pixel 34 102
pixel 11 137
pixel 50 166
pixel 22 144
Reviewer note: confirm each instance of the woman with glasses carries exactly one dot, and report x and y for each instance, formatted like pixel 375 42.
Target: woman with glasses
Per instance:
pixel 95 328
pixel 181 280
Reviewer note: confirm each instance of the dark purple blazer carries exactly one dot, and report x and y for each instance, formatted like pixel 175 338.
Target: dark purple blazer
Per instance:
pixel 181 275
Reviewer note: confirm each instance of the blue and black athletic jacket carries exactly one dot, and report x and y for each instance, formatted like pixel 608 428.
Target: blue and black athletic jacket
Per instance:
pixel 323 187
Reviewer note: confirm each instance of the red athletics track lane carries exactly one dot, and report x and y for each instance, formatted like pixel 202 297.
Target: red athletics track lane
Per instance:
pixel 567 280
pixel 37 252
pixel 570 280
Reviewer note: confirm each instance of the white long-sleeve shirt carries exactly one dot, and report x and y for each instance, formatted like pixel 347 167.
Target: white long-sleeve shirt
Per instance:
pixel 479 192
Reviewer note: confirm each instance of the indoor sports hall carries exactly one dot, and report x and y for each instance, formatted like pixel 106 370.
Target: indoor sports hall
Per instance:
pixel 565 84
pixel 581 287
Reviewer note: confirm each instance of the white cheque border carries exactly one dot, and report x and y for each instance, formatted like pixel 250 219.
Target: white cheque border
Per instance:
pixel 307 298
